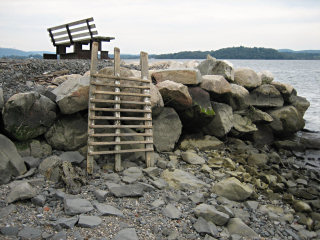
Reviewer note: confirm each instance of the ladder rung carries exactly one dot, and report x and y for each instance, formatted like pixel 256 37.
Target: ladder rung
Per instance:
pixel 120 78
pixel 119 85
pixel 120 102
pixel 120 126
pixel 120 110
pixel 120 134
pixel 120 118
pixel 121 151
pixel 122 93
pixel 119 143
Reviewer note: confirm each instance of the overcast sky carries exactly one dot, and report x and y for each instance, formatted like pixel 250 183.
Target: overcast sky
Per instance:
pixel 163 26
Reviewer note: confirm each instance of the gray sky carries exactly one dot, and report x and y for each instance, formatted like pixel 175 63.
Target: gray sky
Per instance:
pixel 163 26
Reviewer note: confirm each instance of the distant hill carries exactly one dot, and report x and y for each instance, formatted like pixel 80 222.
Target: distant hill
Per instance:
pixel 244 53
pixel 15 53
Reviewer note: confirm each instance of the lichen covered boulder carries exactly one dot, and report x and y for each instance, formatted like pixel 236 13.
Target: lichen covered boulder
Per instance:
pixel 28 115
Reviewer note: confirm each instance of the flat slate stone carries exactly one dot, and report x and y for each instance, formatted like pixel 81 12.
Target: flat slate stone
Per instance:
pixel 59 236
pixel 107 210
pixel 100 195
pixel 21 191
pixel 77 206
pixel 72 156
pixel 89 221
pixel 171 212
pixel 28 233
pixel 207 227
pixel 126 234
pixel 9 231
pixel 67 222
pixel 131 190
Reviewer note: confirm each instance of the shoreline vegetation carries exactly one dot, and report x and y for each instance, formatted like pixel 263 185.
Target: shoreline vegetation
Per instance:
pixel 224 53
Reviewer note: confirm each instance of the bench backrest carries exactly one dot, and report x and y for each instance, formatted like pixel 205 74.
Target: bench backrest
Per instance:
pixel 68 34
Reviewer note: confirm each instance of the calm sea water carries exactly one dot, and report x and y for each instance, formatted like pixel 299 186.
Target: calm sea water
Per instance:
pixel 303 75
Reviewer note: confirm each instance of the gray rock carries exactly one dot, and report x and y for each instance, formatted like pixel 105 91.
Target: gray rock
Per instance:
pixel 266 77
pixel 256 115
pixel 215 84
pixel 243 124
pixel 206 66
pixel 207 237
pixel 192 158
pixel 72 156
pixel 197 197
pixel 233 189
pixel 266 95
pixel 28 233
pixel 184 76
pixel 106 210
pixel 6 211
pixel 159 183
pixel 158 203
pixel 9 231
pixel 31 162
pixel 73 94
pixel 210 213
pixel 222 121
pixel 77 206
pixel 236 226
pixel 167 129
pixel 238 99
pixel 205 227
pixel 259 160
pixel 126 234
pixel 180 179
pixel 89 221
pixel 130 190
pixel 11 164
pixel 152 172
pixel 301 104
pixel 252 205
pixel 62 235
pixel 225 210
pixel 22 191
pixel 39 200
pixel 132 174
pixel 50 168
pixel 205 143
pixel 29 173
pixel 100 195
pixel 68 133
pixel 28 115
pixel 171 212
pixel 156 100
pixel 175 95
pixel 39 149
pixel 224 68
pixel 247 78
pixel 68 223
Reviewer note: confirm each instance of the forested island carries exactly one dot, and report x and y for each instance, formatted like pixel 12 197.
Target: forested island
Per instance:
pixel 244 53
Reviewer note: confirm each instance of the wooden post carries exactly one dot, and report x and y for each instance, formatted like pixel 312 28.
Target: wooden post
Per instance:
pixel 144 76
pixel 91 114
pixel 117 106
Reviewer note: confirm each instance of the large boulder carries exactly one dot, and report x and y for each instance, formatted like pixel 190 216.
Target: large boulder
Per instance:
pixel 11 164
pixel 232 189
pixel 73 95
pixel 166 130
pixel 70 132
pixel 156 100
pixel 175 95
pixel 180 179
pixel 287 120
pixel 247 78
pixel 215 84
pixel 256 115
pixel 238 98
pixel 201 112
pixel 222 121
pixel 243 124
pixel 28 115
pixel 61 79
pixel 224 68
pixel 204 143
pixel 184 76
pixel 266 77
pixel 206 66
pixel 301 104
pixel 265 96
pixel 288 92
pixel 1 98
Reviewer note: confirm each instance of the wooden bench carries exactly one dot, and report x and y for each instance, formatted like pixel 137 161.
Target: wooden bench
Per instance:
pixel 77 34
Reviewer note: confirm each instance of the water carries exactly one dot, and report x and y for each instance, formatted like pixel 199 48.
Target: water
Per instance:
pixel 303 75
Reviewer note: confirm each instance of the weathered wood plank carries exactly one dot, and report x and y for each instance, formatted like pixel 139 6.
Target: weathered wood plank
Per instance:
pixel 120 110
pixel 122 151
pixel 121 118
pixel 122 93
pixel 117 107
pixel 120 126
pixel 120 102
pixel 71 24
pixel 119 134
pixel 121 85
pixel 144 76
pixel 93 69
pixel 74 30
pixel 121 78
pixel 118 143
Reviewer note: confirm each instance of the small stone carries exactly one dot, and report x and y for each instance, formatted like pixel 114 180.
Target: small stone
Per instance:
pixel 72 157
pixel 171 212
pixel 132 174
pixel 159 183
pixel 29 233
pixel 68 223
pixel 252 205
pixel 89 221
pixel 100 195
pixel 197 197
pixel 9 231
pixel 107 210
pixel 5 211
pixel 60 236
pixel 192 158
pixel 157 203
pixel 21 191
pixel 225 210
pixel 203 226
pixel 152 172
pixel 301 206
pixel 31 162
pixel 130 190
pixel 210 213
pixel 126 234
pixel 39 200
pixel 77 206
pixel 237 226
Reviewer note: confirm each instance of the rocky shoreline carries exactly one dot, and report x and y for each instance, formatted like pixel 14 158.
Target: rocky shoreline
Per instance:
pixel 228 164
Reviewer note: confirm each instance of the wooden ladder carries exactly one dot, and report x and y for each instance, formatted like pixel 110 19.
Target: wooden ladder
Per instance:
pixel 107 95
